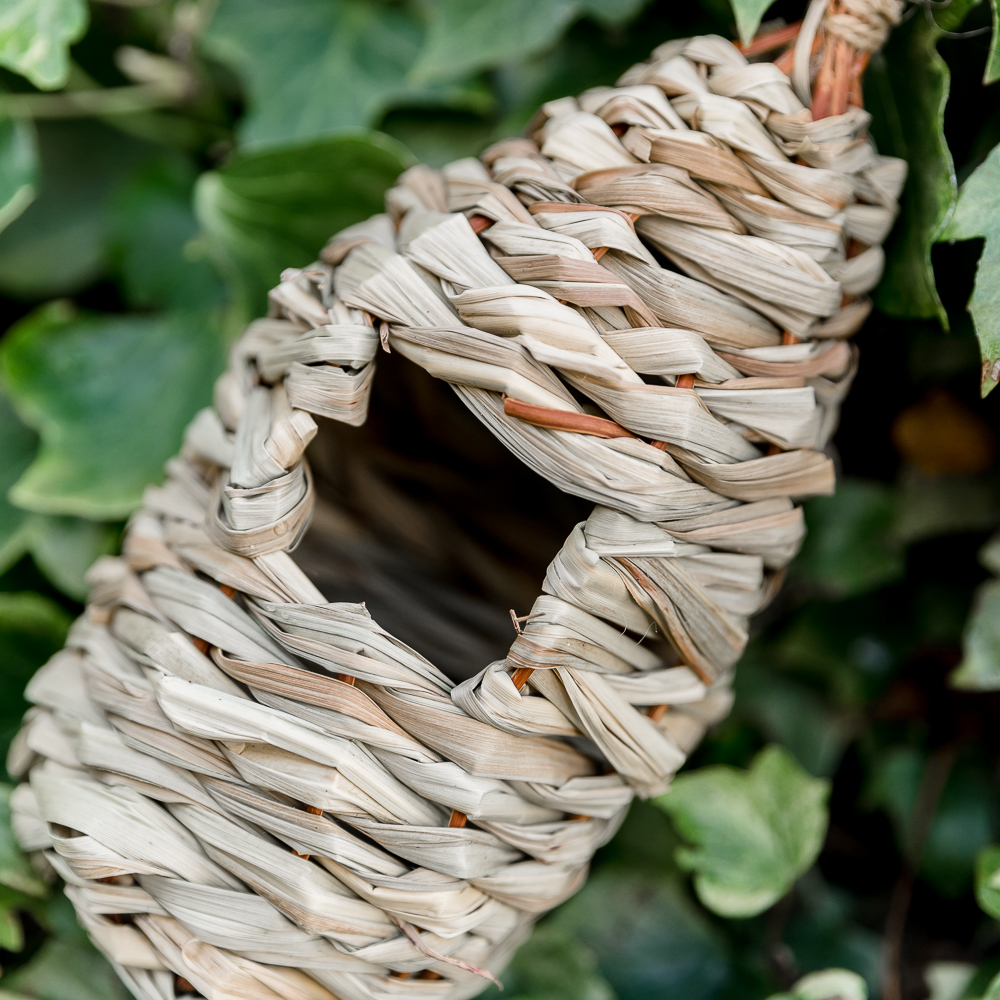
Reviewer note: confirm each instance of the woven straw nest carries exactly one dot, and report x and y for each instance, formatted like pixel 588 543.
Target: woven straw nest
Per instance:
pixel 250 792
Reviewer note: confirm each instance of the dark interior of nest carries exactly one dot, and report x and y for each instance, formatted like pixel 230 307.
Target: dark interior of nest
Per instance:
pixel 424 516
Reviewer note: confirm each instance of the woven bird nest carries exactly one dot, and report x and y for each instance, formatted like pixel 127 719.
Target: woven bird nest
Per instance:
pixel 251 792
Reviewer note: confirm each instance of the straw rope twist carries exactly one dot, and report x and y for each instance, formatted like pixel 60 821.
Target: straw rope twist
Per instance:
pixel 252 793
pixel 864 24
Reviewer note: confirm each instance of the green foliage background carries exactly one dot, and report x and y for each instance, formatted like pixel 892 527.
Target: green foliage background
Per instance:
pixel 162 160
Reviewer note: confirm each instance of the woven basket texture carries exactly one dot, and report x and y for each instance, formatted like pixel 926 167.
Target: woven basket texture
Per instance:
pixel 250 792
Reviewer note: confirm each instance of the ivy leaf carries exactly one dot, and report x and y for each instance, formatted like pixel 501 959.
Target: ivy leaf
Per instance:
pixel 464 37
pixel 11 932
pixel 64 548
pixel 933 506
pixel 962 826
pixel 850 547
pixel 962 822
pixel 152 225
pixel 293 56
pixel 18 445
pixel 989 554
pixel 18 168
pixel 906 91
pixel 35 36
pixel 992 72
pixel 984 983
pixel 825 934
pixel 755 832
pixel 59 244
pixel 748 17
pixel 552 965
pixel 437 137
pixel 825 985
pixel 980 666
pixel 978 214
pixel 792 714
pixel 263 212
pixel 650 941
pixel 110 397
pixel 15 871
pixel 66 970
pixel 988 880
pixel 32 628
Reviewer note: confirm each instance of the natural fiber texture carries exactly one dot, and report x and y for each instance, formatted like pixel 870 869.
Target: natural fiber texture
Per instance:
pixel 267 795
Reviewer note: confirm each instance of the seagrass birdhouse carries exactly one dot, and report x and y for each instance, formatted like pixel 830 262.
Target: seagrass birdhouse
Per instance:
pixel 250 787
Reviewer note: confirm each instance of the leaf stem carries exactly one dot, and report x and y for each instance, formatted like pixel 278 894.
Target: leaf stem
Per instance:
pixel 84 103
pixel 932 783
pixel 780 957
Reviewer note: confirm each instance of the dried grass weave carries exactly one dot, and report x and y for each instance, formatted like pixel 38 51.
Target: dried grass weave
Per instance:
pixel 252 793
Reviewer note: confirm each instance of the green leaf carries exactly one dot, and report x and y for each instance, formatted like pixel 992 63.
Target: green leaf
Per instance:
pixel 437 137
pixel 984 982
pixel 645 841
pixel 748 17
pixel 66 970
pixel 64 548
pixel 906 91
pixel 935 506
pixel 15 871
pixel 11 932
pixel 980 666
pixel 948 980
pixel 552 965
pixel 57 915
pixel 612 13
pixel 824 933
pixel 295 55
pixel 754 831
pixel 894 786
pixel 827 984
pixel 650 941
pixel 18 168
pixel 962 822
pixel 110 397
pixel 988 880
pixel 989 554
pixel 978 214
pixel 59 244
pixel 464 37
pixel 962 827
pixel 263 212
pixel 850 547
pixel 790 713
pixel 18 445
pixel 992 72
pixel 32 628
pixel 35 36
pixel 153 224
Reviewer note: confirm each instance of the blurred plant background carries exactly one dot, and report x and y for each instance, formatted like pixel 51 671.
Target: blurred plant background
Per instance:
pixel 161 162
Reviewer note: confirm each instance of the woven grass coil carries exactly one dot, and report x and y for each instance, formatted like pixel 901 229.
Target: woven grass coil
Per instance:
pixel 250 792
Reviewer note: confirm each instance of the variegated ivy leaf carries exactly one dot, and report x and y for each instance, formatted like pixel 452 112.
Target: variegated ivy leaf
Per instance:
pixel 753 832
pixel 748 15
pixel 978 214
pixel 35 36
